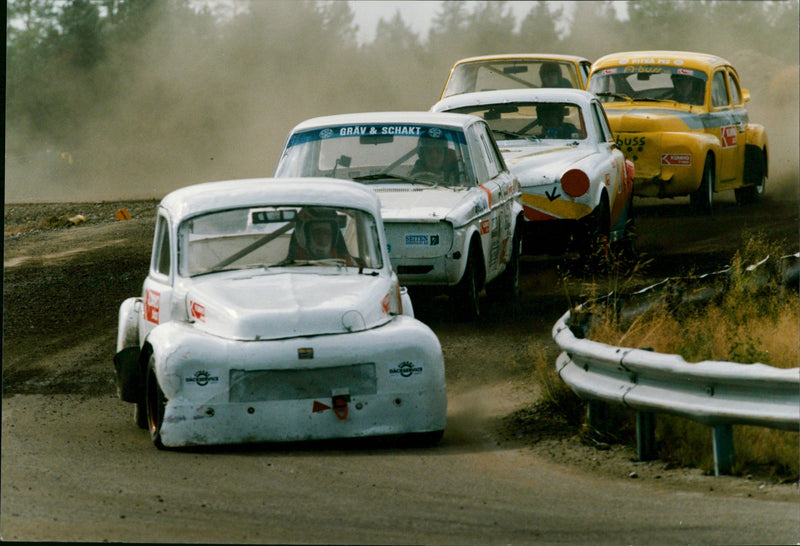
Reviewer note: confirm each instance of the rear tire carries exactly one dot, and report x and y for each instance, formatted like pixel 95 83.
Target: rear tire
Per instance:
pixel 702 200
pixel 754 177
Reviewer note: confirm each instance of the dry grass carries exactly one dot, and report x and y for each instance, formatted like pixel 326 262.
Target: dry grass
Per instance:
pixel 751 322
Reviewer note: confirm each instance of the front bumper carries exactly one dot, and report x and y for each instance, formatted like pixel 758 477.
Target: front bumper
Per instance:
pixel 384 381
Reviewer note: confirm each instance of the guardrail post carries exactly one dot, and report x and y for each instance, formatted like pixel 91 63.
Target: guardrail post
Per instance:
pixel 597 416
pixel 723 449
pixel 646 435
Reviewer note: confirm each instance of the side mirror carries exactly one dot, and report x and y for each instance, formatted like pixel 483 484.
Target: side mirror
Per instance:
pixel 745 95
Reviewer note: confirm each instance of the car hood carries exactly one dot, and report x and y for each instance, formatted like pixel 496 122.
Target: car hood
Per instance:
pixel 402 203
pixel 284 305
pixel 537 165
pixel 652 120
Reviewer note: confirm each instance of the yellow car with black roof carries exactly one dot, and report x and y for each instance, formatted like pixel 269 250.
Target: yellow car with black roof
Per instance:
pixel 681 118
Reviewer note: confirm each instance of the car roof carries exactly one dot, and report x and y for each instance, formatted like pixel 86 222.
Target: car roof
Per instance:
pixel 455 121
pixel 522 56
pixel 550 94
pixel 687 59
pixel 229 194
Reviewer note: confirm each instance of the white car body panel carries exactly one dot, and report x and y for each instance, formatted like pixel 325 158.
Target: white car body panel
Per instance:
pixel 234 350
pixel 539 164
pixel 429 229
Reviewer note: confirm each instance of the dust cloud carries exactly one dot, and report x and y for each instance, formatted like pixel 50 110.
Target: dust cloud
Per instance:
pixel 187 110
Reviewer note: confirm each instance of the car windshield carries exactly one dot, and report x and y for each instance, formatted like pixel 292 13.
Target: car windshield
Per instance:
pixel 510 74
pixel 279 236
pixel 649 83
pixel 368 153
pixel 530 120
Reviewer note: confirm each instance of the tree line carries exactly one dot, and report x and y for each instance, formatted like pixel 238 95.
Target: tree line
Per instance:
pixel 175 90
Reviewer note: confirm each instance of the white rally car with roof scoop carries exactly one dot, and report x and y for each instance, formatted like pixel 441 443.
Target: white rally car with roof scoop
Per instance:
pixel 271 313
pixel 450 206
pixel 576 183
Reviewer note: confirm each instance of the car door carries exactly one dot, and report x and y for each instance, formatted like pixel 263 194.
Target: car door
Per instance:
pixel 725 128
pixel 157 290
pixel 495 228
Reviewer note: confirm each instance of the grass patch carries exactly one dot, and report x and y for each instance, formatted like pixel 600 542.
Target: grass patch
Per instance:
pixel 754 319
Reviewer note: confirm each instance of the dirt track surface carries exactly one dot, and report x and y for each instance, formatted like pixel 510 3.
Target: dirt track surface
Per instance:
pixel 75 467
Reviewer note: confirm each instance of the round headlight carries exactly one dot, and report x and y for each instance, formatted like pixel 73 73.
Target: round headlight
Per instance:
pixel 575 183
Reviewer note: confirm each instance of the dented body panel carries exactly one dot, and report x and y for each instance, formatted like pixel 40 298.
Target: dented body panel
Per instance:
pixel 232 341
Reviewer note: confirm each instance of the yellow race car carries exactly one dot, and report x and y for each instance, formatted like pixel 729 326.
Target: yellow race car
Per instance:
pixel 681 118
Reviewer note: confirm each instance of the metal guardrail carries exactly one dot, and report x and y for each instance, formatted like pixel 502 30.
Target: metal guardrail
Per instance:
pixel 715 393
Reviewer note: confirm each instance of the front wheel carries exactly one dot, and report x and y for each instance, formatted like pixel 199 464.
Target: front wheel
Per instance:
pixel 702 200
pixel 467 291
pixel 156 404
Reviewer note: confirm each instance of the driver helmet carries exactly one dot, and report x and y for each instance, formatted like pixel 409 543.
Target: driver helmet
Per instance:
pixel 549 69
pixel 433 139
pixel 316 230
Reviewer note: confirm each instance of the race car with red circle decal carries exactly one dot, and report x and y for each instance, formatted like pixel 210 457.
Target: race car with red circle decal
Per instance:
pixel 450 206
pixel 576 184
pixel 681 118
pixel 271 313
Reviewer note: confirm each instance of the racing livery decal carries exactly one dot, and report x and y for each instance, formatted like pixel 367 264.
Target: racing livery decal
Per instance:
pixel 682 160
pixel 405 369
pixel 151 304
pixel 201 378
pixel 728 136
pixel 197 311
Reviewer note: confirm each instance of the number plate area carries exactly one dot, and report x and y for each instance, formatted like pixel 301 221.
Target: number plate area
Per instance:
pixel 270 385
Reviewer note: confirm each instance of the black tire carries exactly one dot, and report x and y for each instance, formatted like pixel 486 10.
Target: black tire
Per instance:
pixel 702 200
pixel 140 414
pixel 467 291
pixel 156 403
pixel 506 286
pixel 754 176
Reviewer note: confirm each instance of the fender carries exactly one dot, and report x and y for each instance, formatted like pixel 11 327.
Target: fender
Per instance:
pixel 462 246
pixel 699 145
pixel 129 380
pixel 756 135
pixel 128 323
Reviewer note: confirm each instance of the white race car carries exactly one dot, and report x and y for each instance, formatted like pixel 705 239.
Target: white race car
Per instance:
pixel 271 313
pixel 450 206
pixel 576 183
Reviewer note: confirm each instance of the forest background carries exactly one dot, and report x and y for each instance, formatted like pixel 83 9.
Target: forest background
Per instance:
pixel 129 99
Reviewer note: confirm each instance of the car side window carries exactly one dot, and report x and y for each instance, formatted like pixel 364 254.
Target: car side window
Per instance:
pixel 601 122
pixel 585 69
pixel 494 160
pixel 161 250
pixel 736 93
pixel 719 90
pixel 485 168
